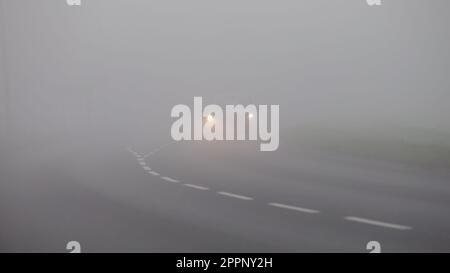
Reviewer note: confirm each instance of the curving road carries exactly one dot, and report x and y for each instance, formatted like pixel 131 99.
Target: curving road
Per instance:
pixel 214 197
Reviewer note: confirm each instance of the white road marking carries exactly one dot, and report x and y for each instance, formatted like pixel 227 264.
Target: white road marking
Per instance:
pixel 141 161
pixel 170 179
pixel 278 205
pixel 242 197
pixel 377 223
pixel 196 187
pixel 147 155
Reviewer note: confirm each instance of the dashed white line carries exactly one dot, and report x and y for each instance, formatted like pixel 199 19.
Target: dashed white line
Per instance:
pixel 242 197
pixel 278 205
pixel 147 155
pixel 377 223
pixel 170 179
pixel 196 187
pixel 283 206
pixel 153 173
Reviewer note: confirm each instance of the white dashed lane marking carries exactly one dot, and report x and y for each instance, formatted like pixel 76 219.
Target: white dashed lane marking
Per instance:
pixel 170 179
pixel 282 206
pixel 377 223
pixel 242 197
pixel 196 187
pixel 141 161
pixel 147 155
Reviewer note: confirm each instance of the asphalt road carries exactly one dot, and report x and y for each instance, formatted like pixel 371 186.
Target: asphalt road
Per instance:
pixel 215 197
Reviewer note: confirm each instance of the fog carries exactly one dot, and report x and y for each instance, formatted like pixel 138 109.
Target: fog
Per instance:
pixel 355 79
pixel 117 67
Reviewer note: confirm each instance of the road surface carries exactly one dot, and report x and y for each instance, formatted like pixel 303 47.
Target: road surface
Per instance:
pixel 215 197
